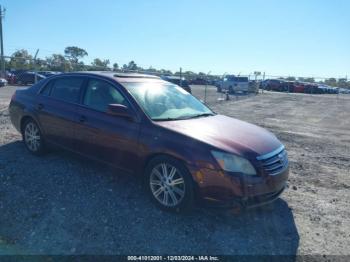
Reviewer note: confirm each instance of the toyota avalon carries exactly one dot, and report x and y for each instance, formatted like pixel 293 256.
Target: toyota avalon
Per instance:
pixel 141 124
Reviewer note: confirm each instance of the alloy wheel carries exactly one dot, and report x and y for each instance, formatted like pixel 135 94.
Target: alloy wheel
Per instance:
pixel 32 137
pixel 167 184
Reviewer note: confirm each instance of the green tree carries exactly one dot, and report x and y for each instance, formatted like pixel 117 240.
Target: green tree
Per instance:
pixel 21 60
pixel 132 66
pixel 115 67
pixel 306 79
pixel 331 81
pixel 165 72
pixel 342 82
pixel 57 62
pixel 99 64
pixel 75 53
pixel 290 78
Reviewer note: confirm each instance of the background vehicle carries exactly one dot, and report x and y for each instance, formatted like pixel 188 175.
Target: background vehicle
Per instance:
pixel 182 82
pixel 28 78
pixel 272 84
pixel 234 84
pixel 287 86
pixel 48 73
pixel 312 88
pixel 199 81
pixel 344 91
pixel 3 82
pixel 299 87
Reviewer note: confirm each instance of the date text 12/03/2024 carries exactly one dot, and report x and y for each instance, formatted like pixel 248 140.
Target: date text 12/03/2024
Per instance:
pixel 173 258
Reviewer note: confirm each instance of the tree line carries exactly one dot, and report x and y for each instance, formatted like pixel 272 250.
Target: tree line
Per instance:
pixel 71 60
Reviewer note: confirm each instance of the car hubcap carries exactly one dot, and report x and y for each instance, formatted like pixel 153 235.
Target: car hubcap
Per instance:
pixel 32 137
pixel 167 184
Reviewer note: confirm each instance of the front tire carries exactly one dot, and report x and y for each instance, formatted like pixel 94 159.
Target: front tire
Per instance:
pixel 33 138
pixel 169 184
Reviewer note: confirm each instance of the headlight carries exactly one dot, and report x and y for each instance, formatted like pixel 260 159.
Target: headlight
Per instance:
pixel 232 163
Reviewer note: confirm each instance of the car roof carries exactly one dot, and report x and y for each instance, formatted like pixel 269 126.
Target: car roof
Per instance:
pixel 174 78
pixel 120 77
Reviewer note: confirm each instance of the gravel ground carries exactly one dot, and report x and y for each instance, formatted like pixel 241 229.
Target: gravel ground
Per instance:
pixel 63 204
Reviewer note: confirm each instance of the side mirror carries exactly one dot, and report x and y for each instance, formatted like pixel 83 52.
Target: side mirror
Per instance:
pixel 119 110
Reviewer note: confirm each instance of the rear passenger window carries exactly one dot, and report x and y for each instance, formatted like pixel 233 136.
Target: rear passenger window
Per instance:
pixel 46 90
pixel 67 89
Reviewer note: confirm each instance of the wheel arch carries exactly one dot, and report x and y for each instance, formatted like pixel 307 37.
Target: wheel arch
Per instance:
pixel 160 154
pixel 26 118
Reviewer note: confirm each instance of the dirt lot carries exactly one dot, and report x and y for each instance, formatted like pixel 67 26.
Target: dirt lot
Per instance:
pixel 61 204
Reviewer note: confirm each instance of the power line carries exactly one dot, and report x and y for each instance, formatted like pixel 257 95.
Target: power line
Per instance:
pixel 2 14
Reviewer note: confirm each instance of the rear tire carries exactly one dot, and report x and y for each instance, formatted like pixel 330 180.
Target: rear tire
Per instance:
pixel 32 137
pixel 169 184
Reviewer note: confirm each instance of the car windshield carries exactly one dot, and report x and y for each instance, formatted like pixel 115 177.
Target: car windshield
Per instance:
pixel 241 79
pixel 164 102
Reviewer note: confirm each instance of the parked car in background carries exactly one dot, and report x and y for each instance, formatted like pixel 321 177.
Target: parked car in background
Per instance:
pixel 182 82
pixel 28 78
pixel 333 90
pixel 287 86
pixel 312 88
pixel 218 84
pixel 271 84
pixel 199 81
pixel 48 73
pixel 3 82
pixel 145 126
pixel 344 91
pixel 299 87
pixel 235 84
pixel 11 78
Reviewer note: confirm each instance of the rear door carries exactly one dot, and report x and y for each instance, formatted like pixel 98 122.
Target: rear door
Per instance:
pixel 58 110
pixel 108 138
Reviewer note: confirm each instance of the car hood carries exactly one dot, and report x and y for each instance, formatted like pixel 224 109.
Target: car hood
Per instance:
pixel 226 133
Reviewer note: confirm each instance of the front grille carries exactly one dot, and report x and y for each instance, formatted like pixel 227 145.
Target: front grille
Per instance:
pixel 274 162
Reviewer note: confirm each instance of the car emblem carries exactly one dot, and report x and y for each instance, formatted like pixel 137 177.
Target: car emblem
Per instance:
pixel 280 157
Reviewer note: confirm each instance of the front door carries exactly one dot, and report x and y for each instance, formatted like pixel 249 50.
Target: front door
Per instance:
pixel 108 138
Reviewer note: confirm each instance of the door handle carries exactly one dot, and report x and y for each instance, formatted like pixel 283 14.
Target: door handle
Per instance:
pixel 40 106
pixel 82 119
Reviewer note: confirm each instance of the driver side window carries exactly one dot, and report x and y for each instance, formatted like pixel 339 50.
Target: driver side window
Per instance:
pixel 99 94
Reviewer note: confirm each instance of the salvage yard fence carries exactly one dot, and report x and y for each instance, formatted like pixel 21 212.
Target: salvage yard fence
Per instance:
pixel 206 87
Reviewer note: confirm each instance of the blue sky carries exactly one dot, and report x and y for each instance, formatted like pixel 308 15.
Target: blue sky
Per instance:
pixel 304 38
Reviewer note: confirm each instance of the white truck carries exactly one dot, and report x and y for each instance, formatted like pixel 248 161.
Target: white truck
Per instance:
pixel 235 84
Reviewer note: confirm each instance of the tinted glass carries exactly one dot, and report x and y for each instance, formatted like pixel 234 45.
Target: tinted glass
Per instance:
pixel 99 94
pixel 67 89
pixel 47 89
pixel 241 79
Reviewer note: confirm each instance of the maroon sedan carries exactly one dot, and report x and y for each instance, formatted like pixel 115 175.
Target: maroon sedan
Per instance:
pixel 141 124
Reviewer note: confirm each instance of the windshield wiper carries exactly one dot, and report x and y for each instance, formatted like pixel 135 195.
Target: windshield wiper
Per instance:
pixel 199 115
pixel 165 119
pixel 182 117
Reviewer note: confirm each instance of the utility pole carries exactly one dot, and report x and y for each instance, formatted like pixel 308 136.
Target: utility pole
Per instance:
pixel 262 89
pixel 206 86
pixel 35 67
pixel 2 14
pixel 180 76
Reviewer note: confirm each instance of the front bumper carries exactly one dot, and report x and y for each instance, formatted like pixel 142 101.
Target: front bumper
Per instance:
pixel 246 202
pixel 227 190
